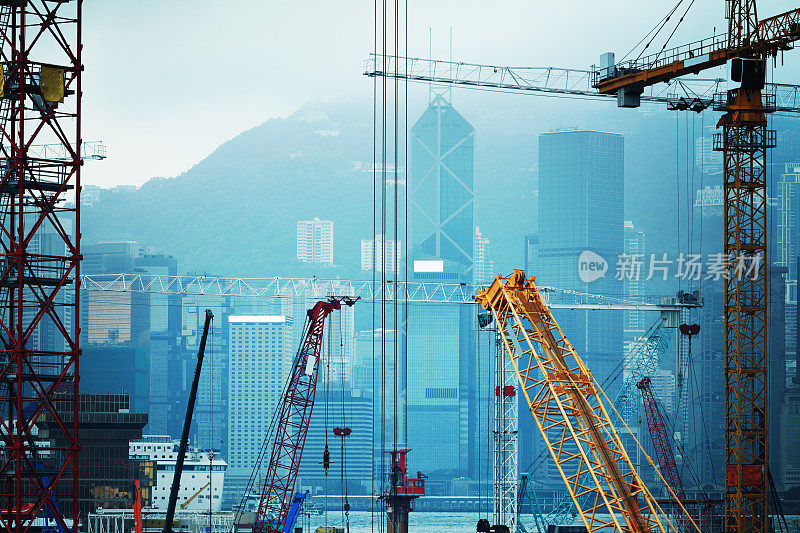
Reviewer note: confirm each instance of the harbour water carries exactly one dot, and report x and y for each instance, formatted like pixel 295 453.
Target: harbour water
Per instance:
pixel 419 522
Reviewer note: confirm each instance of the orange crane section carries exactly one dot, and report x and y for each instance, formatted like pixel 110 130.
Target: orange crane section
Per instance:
pixel 768 38
pixel 566 403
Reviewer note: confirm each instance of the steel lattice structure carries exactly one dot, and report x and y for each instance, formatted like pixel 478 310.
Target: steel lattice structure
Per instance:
pixel 744 142
pixel 661 441
pixel 506 426
pixel 40 105
pixel 290 434
pixel 567 407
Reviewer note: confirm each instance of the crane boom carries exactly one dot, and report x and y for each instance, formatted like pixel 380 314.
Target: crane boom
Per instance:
pixel 187 424
pixel 292 427
pixel 661 441
pixel 567 407
pixel 692 93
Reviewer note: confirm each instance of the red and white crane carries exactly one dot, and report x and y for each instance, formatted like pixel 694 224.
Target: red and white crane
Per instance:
pixel 661 441
pixel 295 414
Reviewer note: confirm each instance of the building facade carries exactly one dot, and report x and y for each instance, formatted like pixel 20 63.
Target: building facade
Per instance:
pixel 384 255
pixel 315 241
pixel 260 356
pixel 438 344
pixel 581 178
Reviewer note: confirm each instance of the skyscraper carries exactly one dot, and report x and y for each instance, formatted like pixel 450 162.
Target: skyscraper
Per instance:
pixel 441 199
pixel 787 213
pixel 372 254
pixel 259 358
pixel 315 241
pixel 484 267
pixel 440 348
pixel 635 246
pixel 581 199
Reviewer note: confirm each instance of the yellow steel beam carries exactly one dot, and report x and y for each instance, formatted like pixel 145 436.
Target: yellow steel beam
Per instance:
pixel 566 404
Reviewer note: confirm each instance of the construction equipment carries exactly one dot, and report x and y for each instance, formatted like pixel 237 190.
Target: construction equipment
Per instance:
pixel 137 507
pixel 292 425
pixel 191 498
pixel 187 424
pixel 661 440
pixel 569 412
pixel 41 54
pixel 533 501
pixel 744 143
pixel 400 491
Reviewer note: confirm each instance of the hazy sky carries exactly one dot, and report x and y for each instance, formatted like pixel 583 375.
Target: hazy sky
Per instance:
pixel 167 82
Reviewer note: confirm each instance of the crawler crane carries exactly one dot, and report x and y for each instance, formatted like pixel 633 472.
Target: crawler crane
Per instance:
pixel 275 509
pixel 569 409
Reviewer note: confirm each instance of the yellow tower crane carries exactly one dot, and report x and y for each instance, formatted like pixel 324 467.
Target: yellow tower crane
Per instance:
pixel 569 409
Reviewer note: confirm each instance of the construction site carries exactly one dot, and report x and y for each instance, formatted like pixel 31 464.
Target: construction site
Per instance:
pixel 635 369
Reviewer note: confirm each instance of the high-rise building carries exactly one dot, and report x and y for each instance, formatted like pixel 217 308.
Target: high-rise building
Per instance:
pixel 787 238
pixel 635 247
pixel 709 200
pixel 484 267
pixel 315 241
pixel 106 468
pixel 439 346
pixel 372 254
pixel 210 427
pixel 260 356
pixel 705 157
pixel 441 199
pixel 581 177
pixel 789 425
pixel 343 408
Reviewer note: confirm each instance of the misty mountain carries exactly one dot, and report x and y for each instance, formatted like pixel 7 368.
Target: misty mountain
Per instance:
pixel 235 212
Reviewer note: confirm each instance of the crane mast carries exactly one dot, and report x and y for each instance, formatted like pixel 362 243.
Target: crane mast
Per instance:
pixel 567 407
pixel 295 415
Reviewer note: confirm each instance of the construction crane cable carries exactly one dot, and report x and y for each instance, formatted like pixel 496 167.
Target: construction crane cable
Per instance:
pixel 343 468
pixel 374 255
pixel 657 29
pixel 655 59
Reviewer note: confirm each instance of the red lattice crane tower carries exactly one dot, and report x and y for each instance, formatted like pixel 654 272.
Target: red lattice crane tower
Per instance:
pixel 292 426
pixel 661 441
pixel 40 104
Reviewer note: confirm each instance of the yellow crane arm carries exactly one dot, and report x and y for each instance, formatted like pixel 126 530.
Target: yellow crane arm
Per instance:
pixel 565 402
pixel 769 37
pixel 185 504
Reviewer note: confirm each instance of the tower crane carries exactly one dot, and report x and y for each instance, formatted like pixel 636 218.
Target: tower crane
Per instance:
pixel 744 143
pixel 570 413
pixel 296 405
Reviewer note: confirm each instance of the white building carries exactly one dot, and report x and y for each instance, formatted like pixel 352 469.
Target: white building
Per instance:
pixel 705 157
pixel 260 356
pixel 484 268
pixel 202 479
pixel 315 241
pixel 372 254
pixel 709 200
